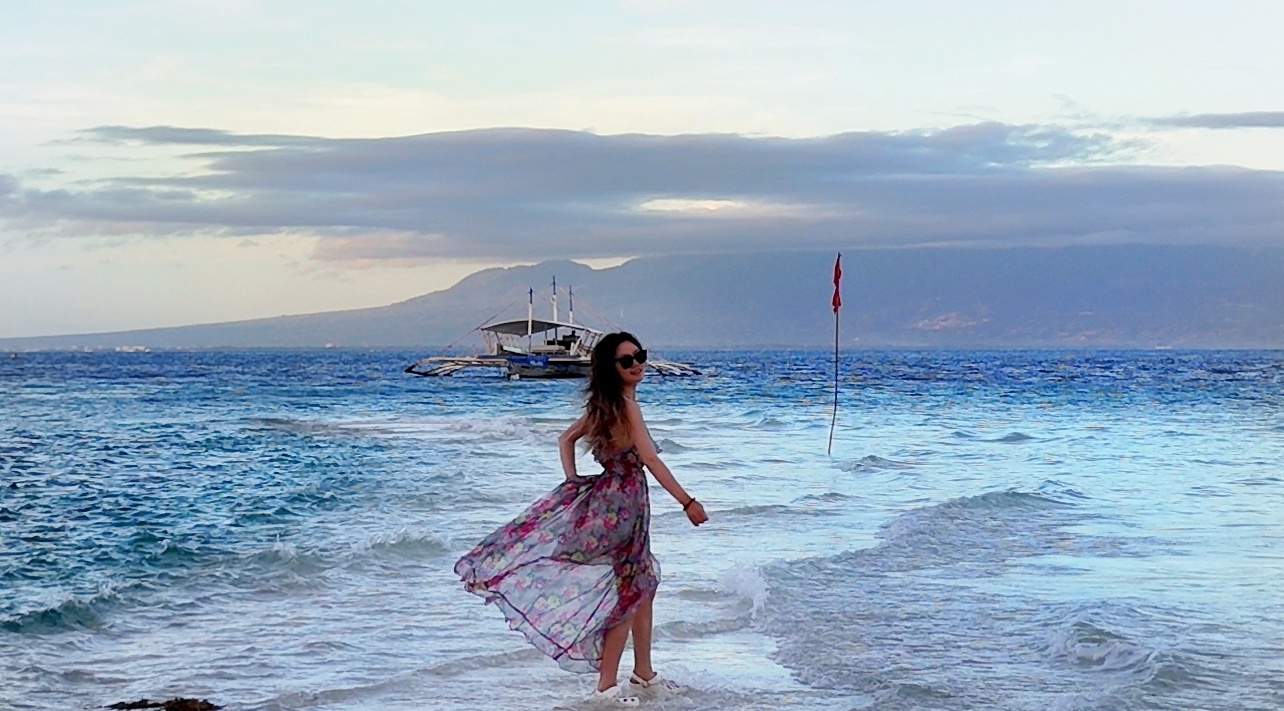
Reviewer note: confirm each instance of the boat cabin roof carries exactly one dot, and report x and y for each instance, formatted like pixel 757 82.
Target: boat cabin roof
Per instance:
pixel 518 327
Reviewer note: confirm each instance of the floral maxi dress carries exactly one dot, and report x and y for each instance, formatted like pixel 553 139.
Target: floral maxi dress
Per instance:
pixel 574 564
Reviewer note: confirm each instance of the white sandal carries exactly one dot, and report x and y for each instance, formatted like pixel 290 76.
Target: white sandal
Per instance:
pixel 656 683
pixel 612 698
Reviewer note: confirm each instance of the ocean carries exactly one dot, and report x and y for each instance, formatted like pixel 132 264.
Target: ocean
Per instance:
pixel 994 530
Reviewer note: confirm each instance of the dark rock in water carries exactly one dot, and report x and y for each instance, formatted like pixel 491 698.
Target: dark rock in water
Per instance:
pixel 190 705
pixel 171 705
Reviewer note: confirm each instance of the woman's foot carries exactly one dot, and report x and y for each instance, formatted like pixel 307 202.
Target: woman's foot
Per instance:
pixel 653 684
pixel 613 697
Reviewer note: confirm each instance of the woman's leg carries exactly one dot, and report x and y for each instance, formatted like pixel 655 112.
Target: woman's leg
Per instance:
pixel 612 649
pixel 642 639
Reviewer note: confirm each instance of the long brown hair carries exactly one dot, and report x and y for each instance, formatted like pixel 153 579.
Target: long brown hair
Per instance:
pixel 604 393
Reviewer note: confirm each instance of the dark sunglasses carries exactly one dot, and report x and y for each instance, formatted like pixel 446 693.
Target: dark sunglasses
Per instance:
pixel 626 362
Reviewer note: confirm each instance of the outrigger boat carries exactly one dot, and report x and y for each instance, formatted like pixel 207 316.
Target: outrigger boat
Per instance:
pixel 536 348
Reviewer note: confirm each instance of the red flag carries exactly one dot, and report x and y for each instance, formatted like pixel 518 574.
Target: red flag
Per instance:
pixel 838 276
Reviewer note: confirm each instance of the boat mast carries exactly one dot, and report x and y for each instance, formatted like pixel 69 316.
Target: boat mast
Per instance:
pixel 555 307
pixel 530 317
pixel 570 295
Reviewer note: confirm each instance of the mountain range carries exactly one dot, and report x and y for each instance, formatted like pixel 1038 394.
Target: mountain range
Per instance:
pixel 1132 296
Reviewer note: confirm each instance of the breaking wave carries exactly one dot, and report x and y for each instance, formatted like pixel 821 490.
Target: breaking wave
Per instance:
pixel 904 623
pixel 405 543
pixel 873 463
pixel 72 613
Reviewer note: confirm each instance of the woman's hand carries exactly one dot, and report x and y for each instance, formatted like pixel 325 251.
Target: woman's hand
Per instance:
pixel 696 513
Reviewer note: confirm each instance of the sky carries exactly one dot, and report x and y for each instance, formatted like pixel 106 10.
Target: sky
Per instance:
pixel 176 162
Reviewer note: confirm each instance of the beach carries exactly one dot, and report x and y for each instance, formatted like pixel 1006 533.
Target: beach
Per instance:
pixel 276 530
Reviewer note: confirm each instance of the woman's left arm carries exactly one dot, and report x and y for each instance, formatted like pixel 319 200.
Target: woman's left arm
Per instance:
pixel 651 459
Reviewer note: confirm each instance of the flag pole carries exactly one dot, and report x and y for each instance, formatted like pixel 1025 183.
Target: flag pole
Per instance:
pixel 837 302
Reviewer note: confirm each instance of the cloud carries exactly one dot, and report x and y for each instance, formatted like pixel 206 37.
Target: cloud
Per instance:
pixel 174 135
pixel 1247 119
pixel 521 193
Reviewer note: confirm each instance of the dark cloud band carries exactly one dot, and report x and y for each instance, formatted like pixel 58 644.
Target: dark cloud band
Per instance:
pixel 531 193
pixel 174 135
pixel 1247 119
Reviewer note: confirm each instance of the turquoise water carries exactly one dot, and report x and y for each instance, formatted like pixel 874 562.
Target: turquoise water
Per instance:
pixel 1008 530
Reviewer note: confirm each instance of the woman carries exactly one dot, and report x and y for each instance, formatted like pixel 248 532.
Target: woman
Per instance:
pixel 574 572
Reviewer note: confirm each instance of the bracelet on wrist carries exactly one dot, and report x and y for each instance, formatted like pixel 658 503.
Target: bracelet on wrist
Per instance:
pixel 687 505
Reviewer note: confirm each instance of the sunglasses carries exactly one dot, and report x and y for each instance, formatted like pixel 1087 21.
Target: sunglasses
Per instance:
pixel 626 362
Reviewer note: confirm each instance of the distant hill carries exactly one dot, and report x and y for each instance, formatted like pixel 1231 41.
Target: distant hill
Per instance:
pixel 1101 296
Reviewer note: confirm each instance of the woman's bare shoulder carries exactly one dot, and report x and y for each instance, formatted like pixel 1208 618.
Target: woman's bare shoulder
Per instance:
pixel 632 409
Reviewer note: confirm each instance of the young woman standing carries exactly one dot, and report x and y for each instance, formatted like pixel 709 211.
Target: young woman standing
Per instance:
pixel 574 572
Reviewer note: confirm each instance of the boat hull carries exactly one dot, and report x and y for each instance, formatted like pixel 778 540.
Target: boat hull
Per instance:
pixel 536 366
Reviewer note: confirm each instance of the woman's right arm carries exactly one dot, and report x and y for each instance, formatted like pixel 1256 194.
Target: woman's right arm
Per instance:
pixel 651 459
pixel 566 446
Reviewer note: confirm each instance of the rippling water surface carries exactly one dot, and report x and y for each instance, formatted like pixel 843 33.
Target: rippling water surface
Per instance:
pixel 1015 530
